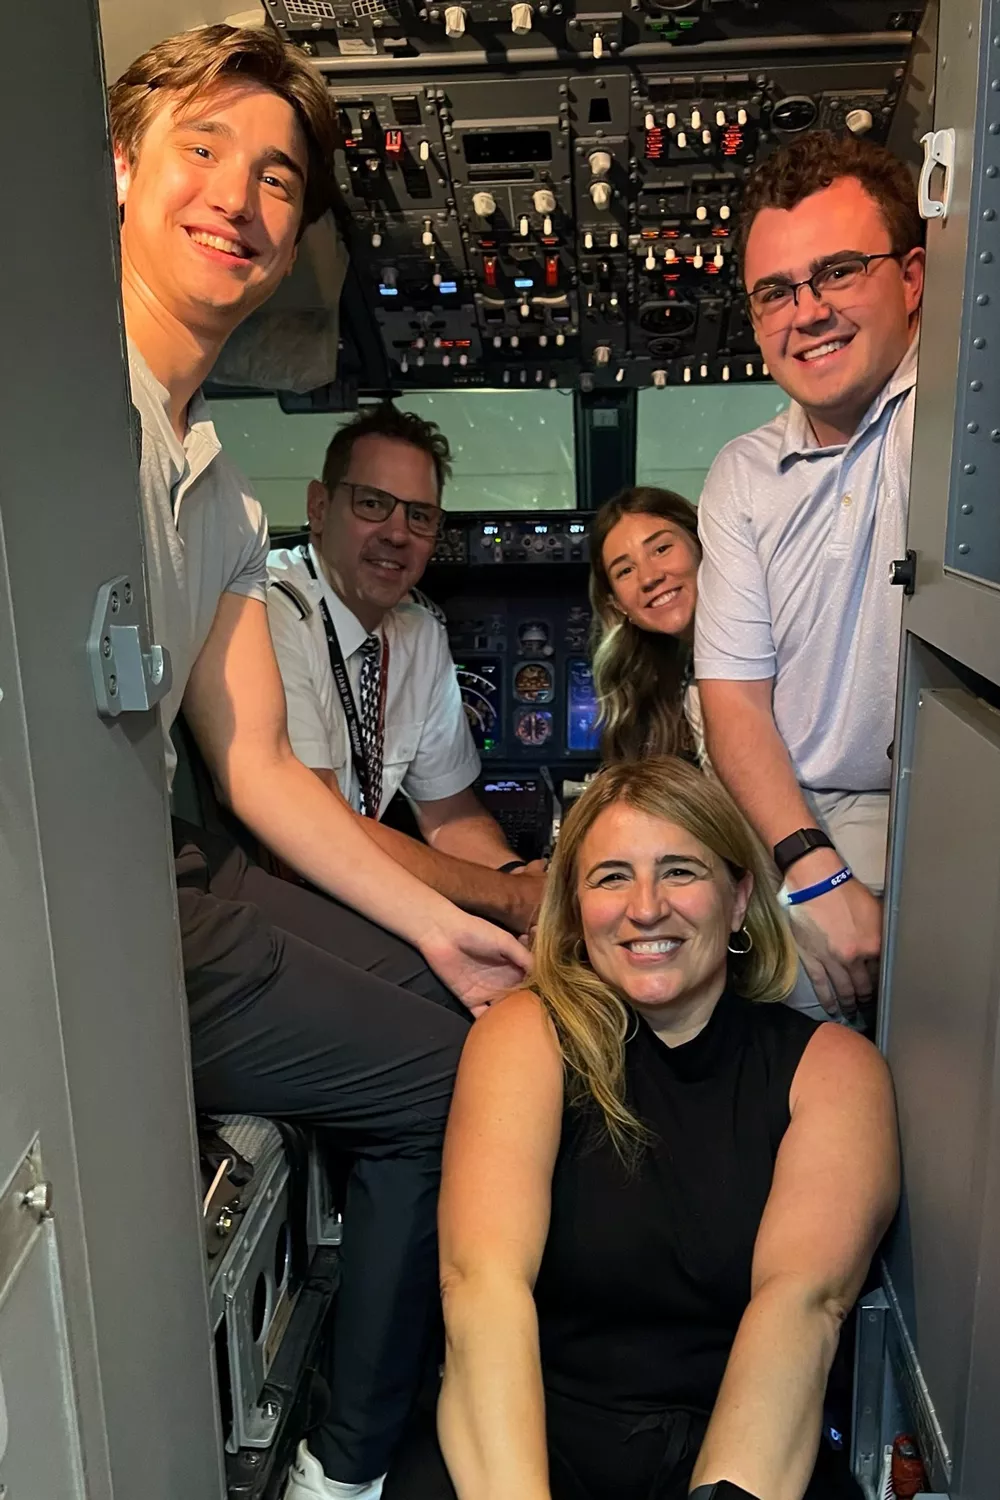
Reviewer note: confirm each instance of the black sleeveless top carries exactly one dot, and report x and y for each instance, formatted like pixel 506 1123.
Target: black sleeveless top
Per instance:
pixel 646 1275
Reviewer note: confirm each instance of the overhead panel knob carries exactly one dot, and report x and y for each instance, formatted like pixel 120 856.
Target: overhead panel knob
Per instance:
pixel 427 238
pixel 859 121
pixel 454 20
pixel 600 163
pixel 659 378
pixel 602 354
pixel 544 200
pixel 484 204
pixel 524 226
pixel 600 193
pixel 598 46
pixel 520 19
pixel 425 151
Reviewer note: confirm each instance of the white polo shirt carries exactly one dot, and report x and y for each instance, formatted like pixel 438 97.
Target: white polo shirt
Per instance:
pixel 794 582
pixel 428 749
pixel 205 535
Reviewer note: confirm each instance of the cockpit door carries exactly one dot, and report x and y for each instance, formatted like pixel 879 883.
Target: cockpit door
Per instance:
pixel 942 966
pixel 106 1384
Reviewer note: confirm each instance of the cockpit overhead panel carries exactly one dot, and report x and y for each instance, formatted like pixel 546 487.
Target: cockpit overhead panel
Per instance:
pixel 545 194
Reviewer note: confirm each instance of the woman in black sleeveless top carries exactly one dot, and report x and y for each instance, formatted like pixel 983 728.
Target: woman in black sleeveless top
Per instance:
pixel 661 1195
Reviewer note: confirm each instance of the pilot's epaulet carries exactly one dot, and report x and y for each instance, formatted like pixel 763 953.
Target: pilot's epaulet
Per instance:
pixel 298 599
pixel 417 596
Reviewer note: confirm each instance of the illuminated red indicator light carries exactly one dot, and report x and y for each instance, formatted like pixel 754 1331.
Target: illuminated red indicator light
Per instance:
pixel 552 270
pixel 490 269
pixel 394 143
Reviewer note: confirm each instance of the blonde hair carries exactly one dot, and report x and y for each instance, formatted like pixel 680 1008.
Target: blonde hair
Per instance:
pixel 195 62
pixel 590 1016
pixel 638 674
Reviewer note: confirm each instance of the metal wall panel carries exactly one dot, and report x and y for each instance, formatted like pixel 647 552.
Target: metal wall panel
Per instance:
pixel 941 1038
pixel 93 1001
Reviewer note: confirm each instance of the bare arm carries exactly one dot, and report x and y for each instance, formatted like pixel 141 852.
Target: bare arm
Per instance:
pixel 235 706
pixel 835 1188
pixel 839 934
pixel 473 887
pixel 500 1150
pixel 460 825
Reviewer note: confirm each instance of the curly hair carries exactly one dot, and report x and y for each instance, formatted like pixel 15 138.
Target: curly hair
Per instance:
pixel 817 159
pixel 387 421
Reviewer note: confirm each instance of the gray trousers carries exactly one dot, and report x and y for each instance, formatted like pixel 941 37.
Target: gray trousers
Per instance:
pixel 303 1010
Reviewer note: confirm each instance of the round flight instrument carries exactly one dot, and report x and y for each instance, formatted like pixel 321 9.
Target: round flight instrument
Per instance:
pixel 478 683
pixel 534 638
pixel 533 727
pixel 533 683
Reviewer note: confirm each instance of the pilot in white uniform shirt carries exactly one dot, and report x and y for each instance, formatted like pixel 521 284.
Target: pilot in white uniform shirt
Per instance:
pixel 428 750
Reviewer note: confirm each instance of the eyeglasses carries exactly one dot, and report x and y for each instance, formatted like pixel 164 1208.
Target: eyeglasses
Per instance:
pixel 774 301
pixel 370 504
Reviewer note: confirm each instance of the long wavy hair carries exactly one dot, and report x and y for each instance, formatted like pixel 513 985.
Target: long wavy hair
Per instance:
pixel 591 1017
pixel 638 674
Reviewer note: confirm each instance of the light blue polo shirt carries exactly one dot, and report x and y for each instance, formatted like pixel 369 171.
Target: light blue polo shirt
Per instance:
pixel 794 582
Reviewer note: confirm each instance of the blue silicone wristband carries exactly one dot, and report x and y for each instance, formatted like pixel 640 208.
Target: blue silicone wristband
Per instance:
pixel 810 892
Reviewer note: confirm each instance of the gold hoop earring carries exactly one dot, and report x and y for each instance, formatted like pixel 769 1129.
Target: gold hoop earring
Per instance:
pixel 740 952
pixel 580 951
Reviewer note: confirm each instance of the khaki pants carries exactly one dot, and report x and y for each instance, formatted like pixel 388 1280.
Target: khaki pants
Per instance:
pixel 858 823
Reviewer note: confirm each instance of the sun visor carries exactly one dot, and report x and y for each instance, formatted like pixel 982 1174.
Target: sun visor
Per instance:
pixel 292 342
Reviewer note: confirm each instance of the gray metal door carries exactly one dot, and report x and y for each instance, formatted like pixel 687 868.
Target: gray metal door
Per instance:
pixel 943 932
pixel 106 1384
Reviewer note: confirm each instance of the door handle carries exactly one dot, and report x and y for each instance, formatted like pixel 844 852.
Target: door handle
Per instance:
pixel 939 151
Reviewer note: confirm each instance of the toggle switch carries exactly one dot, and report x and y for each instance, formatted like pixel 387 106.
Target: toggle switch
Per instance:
pixel 659 379
pixel 650 121
pixel 525 309
pixel 588 241
pixel 720 117
pixel 706 137
pixel 552 270
pixel 490 270
pixel 620 375
pixel 514 341
pixel 463 359
pixel 560 339
pixel 394 144
pixel 543 341
pixel 520 19
pixel 724 211
pixel 613 240
pixel 671 119
pixel 497 341
pixel 687 374
pixel 602 354
pixel 741 117
pixel 650 261
pixel 703 371
pixel 696 119
pixel 427 238
pixel 697 259
pixel 376 239
pixel 701 213
pixel 717 260
pixel 725 372
pixel 425 151
pixel 597 48
pixel 524 228
pixel 670 253
pixel 764 369
pixel 748 367
pixel 547 226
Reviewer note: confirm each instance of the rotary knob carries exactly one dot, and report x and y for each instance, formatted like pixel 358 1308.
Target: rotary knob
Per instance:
pixel 544 200
pixel 520 19
pixel 600 193
pixel 454 21
pixel 859 121
pixel 659 379
pixel 602 354
pixel 484 204
pixel 600 163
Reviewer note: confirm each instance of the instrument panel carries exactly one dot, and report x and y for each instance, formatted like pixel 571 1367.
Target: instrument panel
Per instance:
pixel 545 195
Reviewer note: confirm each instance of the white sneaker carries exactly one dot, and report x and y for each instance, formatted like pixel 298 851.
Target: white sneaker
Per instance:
pixel 306 1481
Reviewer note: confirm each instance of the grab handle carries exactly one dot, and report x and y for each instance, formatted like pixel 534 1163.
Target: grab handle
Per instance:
pixel 939 151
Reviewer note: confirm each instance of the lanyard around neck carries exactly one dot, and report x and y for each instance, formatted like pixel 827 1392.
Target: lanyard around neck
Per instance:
pixel 371 797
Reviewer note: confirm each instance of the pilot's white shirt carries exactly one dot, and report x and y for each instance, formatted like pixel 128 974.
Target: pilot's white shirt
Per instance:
pixel 428 748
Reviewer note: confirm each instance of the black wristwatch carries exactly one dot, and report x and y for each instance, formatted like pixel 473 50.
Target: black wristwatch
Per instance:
pixel 801 842
pixel 722 1489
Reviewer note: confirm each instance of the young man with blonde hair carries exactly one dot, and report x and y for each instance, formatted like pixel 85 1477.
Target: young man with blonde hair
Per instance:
pixel 300 1007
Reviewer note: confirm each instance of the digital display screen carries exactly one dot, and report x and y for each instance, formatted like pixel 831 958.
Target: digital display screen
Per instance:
pixel 541 530
pixel 491 530
pixel 480 683
pixel 507 145
pixel 581 707
pixel 576 529
pixel 448 288
pixel 523 283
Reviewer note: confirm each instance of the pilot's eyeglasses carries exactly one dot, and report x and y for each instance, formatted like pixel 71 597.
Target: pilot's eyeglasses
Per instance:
pixel 370 504
pixel 773 302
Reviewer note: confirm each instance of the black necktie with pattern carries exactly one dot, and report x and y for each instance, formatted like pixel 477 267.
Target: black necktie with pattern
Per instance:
pixel 370 696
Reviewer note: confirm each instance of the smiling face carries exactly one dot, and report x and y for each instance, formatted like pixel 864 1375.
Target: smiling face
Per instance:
pixel 833 354
pixel 373 565
pixel 657 909
pixel 213 205
pixel 652 569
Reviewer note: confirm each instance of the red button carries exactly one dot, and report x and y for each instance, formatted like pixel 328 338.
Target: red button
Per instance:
pixel 552 270
pixel 490 269
pixel 394 143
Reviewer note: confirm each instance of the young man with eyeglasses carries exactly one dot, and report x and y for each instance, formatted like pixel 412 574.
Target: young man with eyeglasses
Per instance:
pixel 797 629
pixel 373 699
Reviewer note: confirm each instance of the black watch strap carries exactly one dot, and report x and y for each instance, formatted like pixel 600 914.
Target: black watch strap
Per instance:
pixel 801 842
pixel 722 1489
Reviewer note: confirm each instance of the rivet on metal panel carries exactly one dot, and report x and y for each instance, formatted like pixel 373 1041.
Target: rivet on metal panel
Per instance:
pixel 995 434
pixel 983 299
pixel 995 127
pixel 989 214
pixel 975 385
pixel 968 468
pixel 116 603
pixel 967 510
pixel 128 593
pixel 963 547
pixel 995 85
pixel 992 171
pixel 972 426
pixel 979 343
pixel 986 257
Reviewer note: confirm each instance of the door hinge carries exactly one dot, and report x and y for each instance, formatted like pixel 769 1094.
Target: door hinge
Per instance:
pixel 127 679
